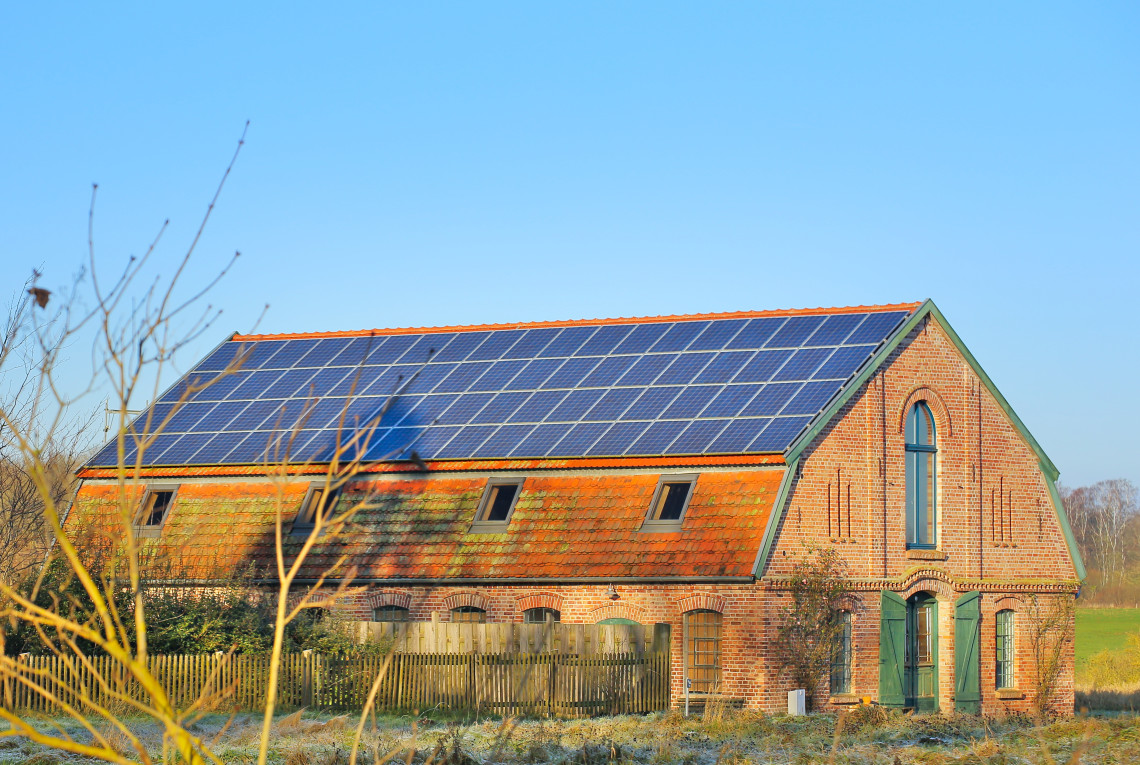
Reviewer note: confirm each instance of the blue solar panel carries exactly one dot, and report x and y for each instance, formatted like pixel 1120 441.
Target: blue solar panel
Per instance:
pixel 690 403
pixel 424 349
pixel 646 369
pixel 603 342
pixel 496 345
pixel 730 401
pixel 568 341
pixel 571 373
pixel 737 436
pixel 650 387
pixel 393 443
pixel 429 441
pixel 679 336
pixel 541 440
pixel 756 333
pixel 531 344
pixel 465 408
pixel 656 439
pixel 574 405
pixel 462 376
pixel 803 364
pixel 717 335
pixel 795 331
pixel 580 438
pixel 811 398
pixel 642 338
pixel 779 434
pixel 617 439
pixel 697 436
pixel 875 328
pixel 460 346
pixel 608 372
pixel 498 375
pixel 501 407
pixel 534 374
pixel 612 404
pixel 724 367
pixel 465 443
pixel 770 400
pixel 843 362
pixel 504 440
pixel 762 366
pixel 835 329
pixel 684 368
pixel 538 406
pixel 651 404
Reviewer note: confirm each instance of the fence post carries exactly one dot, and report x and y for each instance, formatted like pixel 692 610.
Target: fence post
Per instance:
pixel 307 678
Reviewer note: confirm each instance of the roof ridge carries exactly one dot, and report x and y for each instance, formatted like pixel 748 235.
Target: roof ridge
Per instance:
pixel 881 308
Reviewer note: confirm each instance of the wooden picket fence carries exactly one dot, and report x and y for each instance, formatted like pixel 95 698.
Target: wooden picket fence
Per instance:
pixel 546 671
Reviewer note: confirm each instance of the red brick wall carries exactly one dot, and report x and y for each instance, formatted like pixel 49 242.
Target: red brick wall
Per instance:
pixel 997 528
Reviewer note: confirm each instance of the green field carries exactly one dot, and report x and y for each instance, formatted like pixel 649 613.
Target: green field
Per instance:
pixel 1101 628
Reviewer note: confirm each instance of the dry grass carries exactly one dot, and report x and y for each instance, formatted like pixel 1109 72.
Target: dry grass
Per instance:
pixel 730 737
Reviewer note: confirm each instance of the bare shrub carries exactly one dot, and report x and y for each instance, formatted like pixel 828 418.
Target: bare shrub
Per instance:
pixel 1050 630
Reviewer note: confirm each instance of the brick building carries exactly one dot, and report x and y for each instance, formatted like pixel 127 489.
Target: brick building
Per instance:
pixel 669 469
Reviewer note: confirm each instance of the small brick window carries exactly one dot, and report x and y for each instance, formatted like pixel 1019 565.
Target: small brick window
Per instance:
pixel 469 614
pixel 538 615
pixel 1003 626
pixel 702 650
pixel 390 614
pixel 841 659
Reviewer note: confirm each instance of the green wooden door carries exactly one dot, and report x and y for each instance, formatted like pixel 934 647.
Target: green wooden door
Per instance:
pixel 892 647
pixel 967 652
pixel 922 653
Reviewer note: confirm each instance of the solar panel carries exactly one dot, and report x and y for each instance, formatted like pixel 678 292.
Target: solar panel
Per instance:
pixel 699 386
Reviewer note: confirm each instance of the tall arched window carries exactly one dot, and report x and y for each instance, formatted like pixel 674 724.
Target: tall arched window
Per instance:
pixel 1005 645
pixel 921 478
pixel 841 659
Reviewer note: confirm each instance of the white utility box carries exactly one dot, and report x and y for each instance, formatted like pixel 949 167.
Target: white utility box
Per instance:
pixel 797 702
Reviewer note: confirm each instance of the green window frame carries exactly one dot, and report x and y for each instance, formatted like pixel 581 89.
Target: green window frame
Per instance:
pixel 841 659
pixel 921 478
pixel 1004 649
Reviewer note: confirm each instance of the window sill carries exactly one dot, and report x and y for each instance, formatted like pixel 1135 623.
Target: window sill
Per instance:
pixel 489 527
pixel 839 699
pixel 1009 694
pixel 919 554
pixel 148 532
pixel 660 527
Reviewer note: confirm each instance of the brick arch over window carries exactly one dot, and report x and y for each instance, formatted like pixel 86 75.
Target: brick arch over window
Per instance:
pixel 702 601
pixel 932 581
pixel 851 602
pixel 1008 603
pixel 618 611
pixel 937 407
pixel 539 600
pixel 465 599
pixel 379 599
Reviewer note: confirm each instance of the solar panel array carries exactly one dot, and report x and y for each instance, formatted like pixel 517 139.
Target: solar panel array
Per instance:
pixel 695 387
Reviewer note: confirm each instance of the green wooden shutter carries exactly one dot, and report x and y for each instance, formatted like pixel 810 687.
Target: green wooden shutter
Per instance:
pixel 892 642
pixel 967 650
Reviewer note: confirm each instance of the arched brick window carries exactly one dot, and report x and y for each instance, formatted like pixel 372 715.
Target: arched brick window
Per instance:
pixel 468 614
pixel 538 615
pixel 921 478
pixel 1006 648
pixel 841 659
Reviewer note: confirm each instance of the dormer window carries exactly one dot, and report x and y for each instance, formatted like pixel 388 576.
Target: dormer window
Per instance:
pixel 497 505
pixel 318 503
pixel 670 501
pixel 154 509
pixel 921 478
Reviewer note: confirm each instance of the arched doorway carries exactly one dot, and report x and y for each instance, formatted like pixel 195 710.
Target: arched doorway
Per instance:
pixel 921 659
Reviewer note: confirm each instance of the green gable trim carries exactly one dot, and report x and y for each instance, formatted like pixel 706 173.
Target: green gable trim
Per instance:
pixel 1066 529
pixel 775 516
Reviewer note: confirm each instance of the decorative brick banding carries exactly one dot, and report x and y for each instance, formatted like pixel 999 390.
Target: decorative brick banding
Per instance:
pixel 702 602
pixel 539 600
pixel 402 599
pixel 465 600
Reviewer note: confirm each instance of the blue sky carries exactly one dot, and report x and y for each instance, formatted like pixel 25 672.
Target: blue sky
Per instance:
pixel 434 163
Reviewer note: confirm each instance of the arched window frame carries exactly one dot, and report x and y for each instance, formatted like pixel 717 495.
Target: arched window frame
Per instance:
pixel 390 612
pixel 841 659
pixel 921 478
pixel 1005 649
pixel 538 615
pixel 469 614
